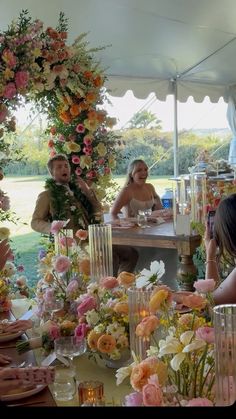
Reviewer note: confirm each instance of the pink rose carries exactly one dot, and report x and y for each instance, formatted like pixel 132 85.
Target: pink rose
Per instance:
pixel 204 285
pixel 199 401
pixel 80 128
pixel 134 399
pixel 56 226
pixel 21 79
pixel 72 286
pixel 78 171
pixel 152 393
pixel 206 333
pixel 75 159
pixel 81 331
pixel 89 303
pixel 62 264
pixel 109 282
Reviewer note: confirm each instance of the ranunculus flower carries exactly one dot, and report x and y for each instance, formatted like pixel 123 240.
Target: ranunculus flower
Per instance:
pixel 87 304
pixel 147 326
pixel 62 264
pixel 158 298
pixel 72 286
pixel 81 234
pixel 109 282
pixel 152 392
pixel 204 285
pixel 121 307
pixel 195 301
pixel 206 333
pixel 200 401
pixel 106 343
pixel 134 399
pixel 126 279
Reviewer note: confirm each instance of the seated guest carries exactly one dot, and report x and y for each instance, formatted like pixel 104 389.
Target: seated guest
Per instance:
pixel 138 195
pixel 63 200
pixel 222 247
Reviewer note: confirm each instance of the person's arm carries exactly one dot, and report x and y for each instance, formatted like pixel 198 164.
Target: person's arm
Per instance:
pixel 5 253
pixel 226 292
pixel 121 201
pixel 41 214
pixel 157 200
pixel 211 257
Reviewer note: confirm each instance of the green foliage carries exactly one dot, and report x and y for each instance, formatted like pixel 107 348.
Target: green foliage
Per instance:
pixel 144 119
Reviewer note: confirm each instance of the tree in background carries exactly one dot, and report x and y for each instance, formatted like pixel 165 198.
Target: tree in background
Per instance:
pixel 144 119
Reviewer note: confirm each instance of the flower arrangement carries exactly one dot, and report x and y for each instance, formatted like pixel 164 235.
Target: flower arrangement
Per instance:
pixel 179 368
pixel 64 273
pixel 103 318
pixel 67 82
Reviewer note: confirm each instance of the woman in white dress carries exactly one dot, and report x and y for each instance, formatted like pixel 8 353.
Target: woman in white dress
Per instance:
pixel 138 195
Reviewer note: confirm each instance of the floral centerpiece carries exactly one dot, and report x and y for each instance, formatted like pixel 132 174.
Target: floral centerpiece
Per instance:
pixel 103 318
pixel 179 368
pixel 66 82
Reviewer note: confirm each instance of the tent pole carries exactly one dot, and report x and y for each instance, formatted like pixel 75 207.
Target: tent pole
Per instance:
pixel 175 132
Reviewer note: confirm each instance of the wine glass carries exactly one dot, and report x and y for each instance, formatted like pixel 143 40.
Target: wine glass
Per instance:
pixel 148 213
pixel 54 307
pixel 69 347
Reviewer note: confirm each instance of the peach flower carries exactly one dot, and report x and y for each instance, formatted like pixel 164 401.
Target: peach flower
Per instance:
pixel 152 392
pixel 109 282
pixel 121 308
pixel 147 326
pixel 106 344
pixel 93 339
pixel 126 279
pixel 194 301
pixel 81 234
pixel 84 266
pixel 142 372
pixel 205 285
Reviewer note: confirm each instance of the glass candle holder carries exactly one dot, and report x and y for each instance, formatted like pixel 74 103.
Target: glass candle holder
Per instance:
pixel 225 353
pixel 138 300
pixel 100 249
pixel 91 393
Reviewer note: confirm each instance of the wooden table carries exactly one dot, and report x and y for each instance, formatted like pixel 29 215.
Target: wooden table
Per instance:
pixel 162 236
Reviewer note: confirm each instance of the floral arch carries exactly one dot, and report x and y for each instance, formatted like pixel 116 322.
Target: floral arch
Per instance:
pixel 66 82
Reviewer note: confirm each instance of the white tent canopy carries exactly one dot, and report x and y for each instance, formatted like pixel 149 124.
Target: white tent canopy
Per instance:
pixel 181 47
pixel 152 42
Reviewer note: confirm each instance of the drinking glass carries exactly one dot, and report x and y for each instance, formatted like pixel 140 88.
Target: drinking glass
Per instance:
pixel 148 213
pixel 69 347
pixel 142 219
pixel 64 385
pixel 54 307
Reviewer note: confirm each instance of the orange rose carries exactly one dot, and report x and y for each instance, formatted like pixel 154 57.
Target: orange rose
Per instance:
pixel 84 267
pixel 147 326
pixel 121 308
pixel 106 344
pixel 126 279
pixel 93 339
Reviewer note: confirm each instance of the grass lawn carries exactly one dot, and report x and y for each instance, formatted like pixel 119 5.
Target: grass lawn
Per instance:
pixel 23 192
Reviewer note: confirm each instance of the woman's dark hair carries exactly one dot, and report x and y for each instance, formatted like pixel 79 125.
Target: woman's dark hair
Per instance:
pixel 225 228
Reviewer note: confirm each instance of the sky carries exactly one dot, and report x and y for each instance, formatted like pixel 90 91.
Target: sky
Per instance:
pixel 191 115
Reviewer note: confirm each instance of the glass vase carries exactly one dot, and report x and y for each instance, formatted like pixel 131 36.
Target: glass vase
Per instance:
pixel 225 353
pixel 138 300
pixel 60 248
pixel 100 250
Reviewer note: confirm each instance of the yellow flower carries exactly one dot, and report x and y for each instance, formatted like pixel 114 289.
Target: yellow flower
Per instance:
pixel 85 161
pixel 101 149
pixel 72 147
pixel 157 300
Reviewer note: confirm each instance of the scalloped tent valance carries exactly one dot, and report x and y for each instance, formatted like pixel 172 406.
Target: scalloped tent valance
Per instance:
pixel 151 42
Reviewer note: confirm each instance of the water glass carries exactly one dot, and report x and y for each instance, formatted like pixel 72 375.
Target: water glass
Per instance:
pixel 64 386
pixel 142 219
pixel 225 353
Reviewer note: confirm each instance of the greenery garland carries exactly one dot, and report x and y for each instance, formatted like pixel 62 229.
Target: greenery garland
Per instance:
pixel 76 205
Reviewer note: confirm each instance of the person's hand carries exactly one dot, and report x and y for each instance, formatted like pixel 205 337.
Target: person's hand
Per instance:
pixel 17 326
pixel 5 359
pixel 210 244
pixel 80 183
pixel 5 253
pixel 166 214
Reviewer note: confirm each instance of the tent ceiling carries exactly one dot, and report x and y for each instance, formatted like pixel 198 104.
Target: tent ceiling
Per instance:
pixel 152 42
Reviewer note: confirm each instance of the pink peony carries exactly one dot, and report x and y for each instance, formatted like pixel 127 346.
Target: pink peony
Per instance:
pixel 206 333
pixel 134 399
pixel 204 285
pixel 62 264
pixel 199 401
pixel 109 282
pixel 88 303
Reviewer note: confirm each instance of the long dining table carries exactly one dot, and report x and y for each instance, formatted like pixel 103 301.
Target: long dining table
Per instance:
pixel 161 236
